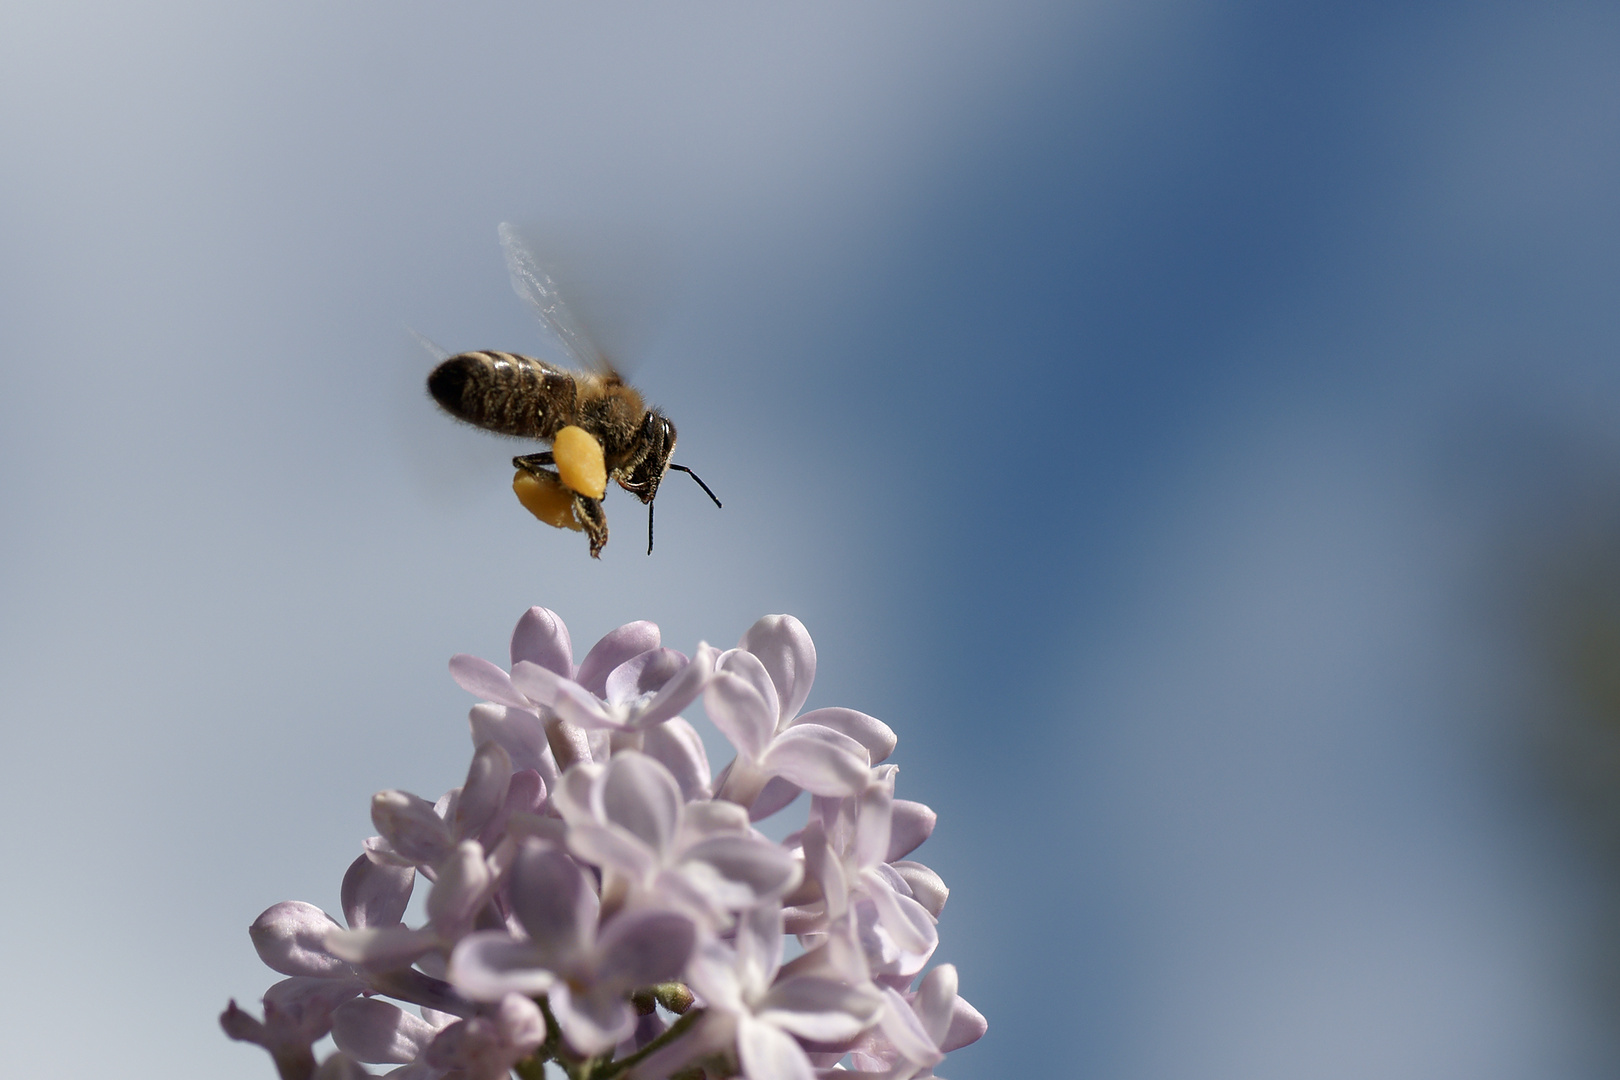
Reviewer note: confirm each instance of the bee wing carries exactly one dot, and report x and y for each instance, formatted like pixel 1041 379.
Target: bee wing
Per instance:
pixel 438 352
pixel 535 285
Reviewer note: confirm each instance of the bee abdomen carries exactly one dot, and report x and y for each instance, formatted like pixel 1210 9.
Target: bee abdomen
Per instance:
pixel 504 392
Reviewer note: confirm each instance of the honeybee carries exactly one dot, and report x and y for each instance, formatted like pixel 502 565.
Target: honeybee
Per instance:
pixel 598 425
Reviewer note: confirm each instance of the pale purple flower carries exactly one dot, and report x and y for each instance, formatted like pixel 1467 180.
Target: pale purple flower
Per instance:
pixel 590 864
pixel 373 1031
pixel 586 970
pixel 541 638
pixel 415 832
pixel 466 884
pixel 628 818
pixel 297 1012
pixel 291 938
pixel 915 1032
pixel 642 691
pixel 486 1047
pixel 533 736
pixel 845 848
pixel 626 682
pixel 754 699
pixel 294 938
pixel 435 1045
pixel 760 1010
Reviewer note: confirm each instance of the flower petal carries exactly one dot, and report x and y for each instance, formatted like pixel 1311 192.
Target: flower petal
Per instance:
pixel 520 1022
pixel 910 823
pixel 520 733
pixel 419 988
pixel 592 1023
pixel 486 965
pixel 758 949
pixel 710 817
pixel 641 946
pixel 712 972
pixel 874 811
pixel 768 1053
pixel 738 871
pixel 296 1013
pixel 375 894
pixel 340 1066
pixel 308 998
pixel 619 645
pixel 305 1004
pixel 552 899
pixel 611 848
pixel 927 887
pixel 565 697
pixel 525 795
pixel 382 948
pixel 783 646
pixel 642 674
pixel 680 691
pixel 485 789
pixel 905 1032
pixel 679 748
pixel 897 933
pixel 378 1033
pixel 640 796
pixel 487 681
pixel 542 638
pixel 741 713
pixel 872 733
pixel 820 760
pixel 411 826
pixel 290 937
pixel 464 885
pixel 826 868
pixel 776 795
pixel 746 665
pixel 535 684
pixel 933 1002
pixel 819 1008
pixel 968 1025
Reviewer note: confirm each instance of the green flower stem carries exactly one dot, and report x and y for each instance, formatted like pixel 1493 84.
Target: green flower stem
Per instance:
pixel 676 1030
pixel 533 1067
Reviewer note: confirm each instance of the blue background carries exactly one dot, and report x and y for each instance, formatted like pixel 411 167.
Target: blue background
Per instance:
pixel 1160 414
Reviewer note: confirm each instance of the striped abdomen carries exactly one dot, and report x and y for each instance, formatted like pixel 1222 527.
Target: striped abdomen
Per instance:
pixel 504 392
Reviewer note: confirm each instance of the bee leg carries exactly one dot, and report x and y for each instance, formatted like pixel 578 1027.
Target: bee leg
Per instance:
pixel 587 511
pixel 590 515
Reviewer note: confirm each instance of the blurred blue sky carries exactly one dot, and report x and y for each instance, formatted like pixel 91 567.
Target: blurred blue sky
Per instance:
pixel 1135 401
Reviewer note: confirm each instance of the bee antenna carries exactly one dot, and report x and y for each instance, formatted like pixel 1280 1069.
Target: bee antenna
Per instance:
pixel 700 484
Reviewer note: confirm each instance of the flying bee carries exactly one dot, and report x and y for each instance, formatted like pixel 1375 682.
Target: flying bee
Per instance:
pixel 598 425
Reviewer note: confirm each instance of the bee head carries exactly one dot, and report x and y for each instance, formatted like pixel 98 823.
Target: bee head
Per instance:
pixel 658 436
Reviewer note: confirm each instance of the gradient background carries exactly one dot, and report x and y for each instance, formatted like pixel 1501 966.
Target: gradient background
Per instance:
pixel 1191 427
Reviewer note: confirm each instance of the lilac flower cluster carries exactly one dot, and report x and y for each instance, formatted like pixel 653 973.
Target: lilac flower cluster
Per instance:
pixel 600 900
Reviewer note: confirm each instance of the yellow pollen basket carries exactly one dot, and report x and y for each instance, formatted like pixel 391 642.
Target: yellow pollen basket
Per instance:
pixel 546 499
pixel 579 461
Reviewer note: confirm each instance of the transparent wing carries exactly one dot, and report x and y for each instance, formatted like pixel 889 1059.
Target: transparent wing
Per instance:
pixel 433 347
pixel 536 286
